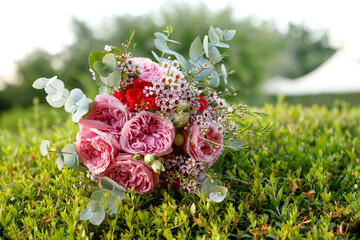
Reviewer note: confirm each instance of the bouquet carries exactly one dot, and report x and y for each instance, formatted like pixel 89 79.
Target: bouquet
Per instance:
pixel 153 123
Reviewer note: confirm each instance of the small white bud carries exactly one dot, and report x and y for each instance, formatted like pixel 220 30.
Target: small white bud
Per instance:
pixel 157 166
pixel 149 158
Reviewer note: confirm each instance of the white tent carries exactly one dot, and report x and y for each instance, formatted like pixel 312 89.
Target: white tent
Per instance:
pixel 339 74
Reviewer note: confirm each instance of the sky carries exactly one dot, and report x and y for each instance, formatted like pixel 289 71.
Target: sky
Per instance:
pixel 26 25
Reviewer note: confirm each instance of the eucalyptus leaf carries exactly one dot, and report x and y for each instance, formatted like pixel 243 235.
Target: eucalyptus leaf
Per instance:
pixel 204 73
pixel 95 56
pixel 113 79
pixel 93 206
pixel 170 52
pixel 44 148
pixel 229 34
pixel 70 156
pixel 196 48
pixel 162 37
pixel 213 36
pixel 53 86
pixel 74 96
pixel 60 102
pixel 80 167
pixel 82 109
pixel 214 54
pixel 160 44
pixel 40 83
pixel 219 33
pixel 222 45
pixel 202 63
pixel 99 195
pixel 98 217
pixel 59 162
pixel 215 80
pixel 224 73
pixel 86 214
pixel 94 212
pixel 104 90
pixel 109 61
pixel 59 94
pixel 101 69
pixel 173 41
pixel 206 45
pixel 207 184
pixel 184 64
pixel 155 56
pixel 218 193
pixel 111 184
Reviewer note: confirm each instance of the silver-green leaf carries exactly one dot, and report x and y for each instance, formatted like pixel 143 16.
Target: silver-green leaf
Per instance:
pixel 196 48
pixel 229 34
pixel 70 156
pixel 215 80
pixel 44 148
pixel 218 193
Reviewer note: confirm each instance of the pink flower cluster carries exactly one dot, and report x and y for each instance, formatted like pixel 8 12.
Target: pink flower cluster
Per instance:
pixel 157 125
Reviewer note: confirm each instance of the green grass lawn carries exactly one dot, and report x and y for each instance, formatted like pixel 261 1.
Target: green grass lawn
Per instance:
pixel 300 181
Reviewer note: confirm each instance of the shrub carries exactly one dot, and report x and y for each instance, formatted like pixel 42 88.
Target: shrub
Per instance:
pixel 300 181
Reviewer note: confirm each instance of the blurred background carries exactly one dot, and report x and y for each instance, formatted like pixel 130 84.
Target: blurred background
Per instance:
pixel 306 51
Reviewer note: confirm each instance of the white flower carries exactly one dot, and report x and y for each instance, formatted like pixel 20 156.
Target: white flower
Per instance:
pixel 230 109
pixel 175 63
pixel 107 48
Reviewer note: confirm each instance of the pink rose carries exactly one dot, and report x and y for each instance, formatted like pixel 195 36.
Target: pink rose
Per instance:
pixel 204 147
pixel 130 173
pixel 146 133
pixel 111 111
pixel 95 145
pixel 149 71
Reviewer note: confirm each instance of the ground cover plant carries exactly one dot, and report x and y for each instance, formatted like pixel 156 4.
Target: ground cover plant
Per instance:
pixel 300 181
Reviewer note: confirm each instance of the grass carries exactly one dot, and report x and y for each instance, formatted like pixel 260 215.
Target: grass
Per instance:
pixel 298 182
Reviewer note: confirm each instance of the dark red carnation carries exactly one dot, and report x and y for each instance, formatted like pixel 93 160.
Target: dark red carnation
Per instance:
pixel 203 103
pixel 135 98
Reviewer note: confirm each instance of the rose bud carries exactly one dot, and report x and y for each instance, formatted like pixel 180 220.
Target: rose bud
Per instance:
pixel 157 166
pixel 179 139
pixel 183 107
pixel 149 158
pixel 180 119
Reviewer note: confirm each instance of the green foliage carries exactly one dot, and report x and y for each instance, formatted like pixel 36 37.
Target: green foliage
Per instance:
pixel 299 182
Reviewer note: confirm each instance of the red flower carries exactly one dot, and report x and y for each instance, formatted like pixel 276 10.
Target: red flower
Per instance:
pixel 135 98
pixel 203 103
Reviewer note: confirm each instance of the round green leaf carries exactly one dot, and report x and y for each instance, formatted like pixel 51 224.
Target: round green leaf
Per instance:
pixel 93 206
pixel 113 79
pixel 98 217
pixel 111 184
pixel 70 156
pixel 207 184
pixel 101 69
pixel 109 61
pixel 94 57
pixel 218 193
